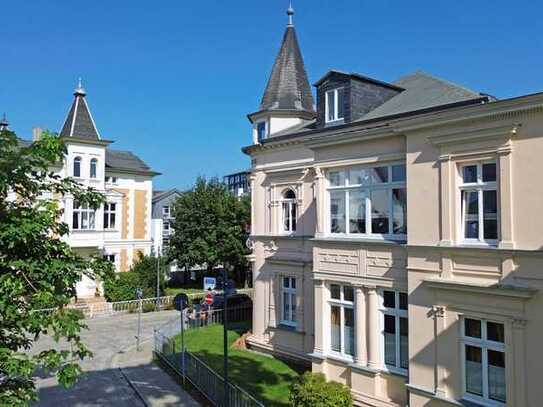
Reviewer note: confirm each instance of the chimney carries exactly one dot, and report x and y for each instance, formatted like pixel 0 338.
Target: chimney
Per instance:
pixel 36 133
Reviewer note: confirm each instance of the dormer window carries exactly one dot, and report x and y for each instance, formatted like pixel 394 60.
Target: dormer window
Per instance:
pixel 261 131
pixel 335 105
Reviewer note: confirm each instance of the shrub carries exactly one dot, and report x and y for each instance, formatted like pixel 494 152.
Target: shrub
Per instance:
pixel 312 389
pixel 121 287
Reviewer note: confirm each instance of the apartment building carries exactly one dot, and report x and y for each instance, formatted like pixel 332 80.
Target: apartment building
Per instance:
pixel 121 229
pixel 396 235
pixel 162 213
pixel 237 183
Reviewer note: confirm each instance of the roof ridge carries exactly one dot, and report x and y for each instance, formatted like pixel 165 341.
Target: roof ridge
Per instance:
pixel 438 79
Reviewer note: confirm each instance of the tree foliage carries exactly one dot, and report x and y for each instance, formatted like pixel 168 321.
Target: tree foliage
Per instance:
pixel 37 267
pixel 209 226
pixel 312 389
pixel 142 274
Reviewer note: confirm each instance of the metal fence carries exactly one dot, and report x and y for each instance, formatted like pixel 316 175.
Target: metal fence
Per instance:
pixel 167 348
pixel 102 309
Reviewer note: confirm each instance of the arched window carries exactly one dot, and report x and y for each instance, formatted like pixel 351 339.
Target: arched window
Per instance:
pixel 289 211
pixel 93 165
pixel 77 166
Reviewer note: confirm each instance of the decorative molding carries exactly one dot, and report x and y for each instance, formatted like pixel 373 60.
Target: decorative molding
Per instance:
pixel 519 323
pixel 461 137
pixel 421 391
pixel 497 290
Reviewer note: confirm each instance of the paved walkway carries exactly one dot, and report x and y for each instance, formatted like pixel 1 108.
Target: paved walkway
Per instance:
pixel 117 375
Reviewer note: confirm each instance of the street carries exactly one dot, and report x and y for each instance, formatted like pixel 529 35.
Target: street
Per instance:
pixel 117 375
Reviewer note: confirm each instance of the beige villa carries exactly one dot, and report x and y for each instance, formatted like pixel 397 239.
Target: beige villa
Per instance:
pixel 397 235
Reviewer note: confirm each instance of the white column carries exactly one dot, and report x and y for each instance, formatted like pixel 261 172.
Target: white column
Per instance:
pixel 252 181
pixel 374 334
pixel 319 316
pixel 361 355
pixel 446 200
pixel 320 198
pixel 506 198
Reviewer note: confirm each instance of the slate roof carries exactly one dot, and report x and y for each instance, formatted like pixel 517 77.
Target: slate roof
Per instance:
pixel 288 87
pixel 126 160
pixel 422 91
pixel 159 195
pixel 79 122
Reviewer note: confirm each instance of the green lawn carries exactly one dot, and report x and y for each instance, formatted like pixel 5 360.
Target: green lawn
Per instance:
pixel 265 377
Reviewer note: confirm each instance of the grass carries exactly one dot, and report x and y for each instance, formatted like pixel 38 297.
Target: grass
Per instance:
pixel 267 378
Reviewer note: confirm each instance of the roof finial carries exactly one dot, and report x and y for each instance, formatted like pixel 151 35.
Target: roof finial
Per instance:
pixel 290 13
pixel 4 122
pixel 79 90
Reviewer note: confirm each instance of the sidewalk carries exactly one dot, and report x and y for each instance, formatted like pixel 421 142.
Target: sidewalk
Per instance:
pixel 155 387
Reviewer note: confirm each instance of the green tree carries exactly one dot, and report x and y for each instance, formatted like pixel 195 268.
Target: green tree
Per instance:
pixel 37 268
pixel 312 389
pixel 209 227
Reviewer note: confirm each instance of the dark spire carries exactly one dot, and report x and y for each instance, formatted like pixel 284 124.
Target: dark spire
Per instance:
pixel 288 87
pixel 4 123
pixel 79 122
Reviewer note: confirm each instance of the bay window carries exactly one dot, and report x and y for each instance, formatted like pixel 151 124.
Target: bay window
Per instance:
pixel 479 203
pixel 395 330
pixel 288 291
pixel 483 360
pixel 368 201
pixel 342 320
pixel 83 216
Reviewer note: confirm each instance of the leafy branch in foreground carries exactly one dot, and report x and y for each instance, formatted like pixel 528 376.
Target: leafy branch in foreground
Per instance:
pixel 38 269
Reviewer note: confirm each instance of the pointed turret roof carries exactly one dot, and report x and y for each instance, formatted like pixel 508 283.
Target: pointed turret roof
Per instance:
pixel 4 125
pixel 79 122
pixel 288 87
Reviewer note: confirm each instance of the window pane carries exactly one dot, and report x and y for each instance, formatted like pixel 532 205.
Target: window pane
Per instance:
pixel 106 221
pixel 112 221
pixel 335 291
pixel 330 106
pixel 337 211
pixel 357 212
pixel 286 282
pixel 403 301
pixel 389 299
pixel 379 175
pixel 348 294
pixel 75 220
pixel 390 340
pixel 340 103
pixel 496 375
pixel 261 131
pixel 404 344
pixel 286 306
pixel 293 207
pixel 469 173
pixel 84 220
pixel 379 211
pixel 359 176
pixel 335 325
pixel 472 327
pixel 398 173
pixel 494 332
pixel 474 370
pixel 399 214
pixel 337 178
pixel 489 172
pixel 91 219
pixel 293 283
pixel 490 215
pixel 349 331
pixel 470 203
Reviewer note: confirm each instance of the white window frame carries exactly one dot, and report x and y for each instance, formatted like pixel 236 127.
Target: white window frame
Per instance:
pixel 368 189
pixel 166 211
pixel 342 304
pixel 289 203
pixel 166 229
pixel 79 211
pixel 485 346
pixel 111 258
pixel 397 313
pixel 290 318
pixel 479 186
pixel 107 215
pixel 79 160
pixel 332 93
pixel 93 163
pixel 266 131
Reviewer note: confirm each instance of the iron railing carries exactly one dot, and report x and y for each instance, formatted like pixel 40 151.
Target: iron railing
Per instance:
pixel 188 366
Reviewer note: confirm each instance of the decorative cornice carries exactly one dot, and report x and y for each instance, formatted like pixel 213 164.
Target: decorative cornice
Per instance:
pixel 461 137
pixel 496 290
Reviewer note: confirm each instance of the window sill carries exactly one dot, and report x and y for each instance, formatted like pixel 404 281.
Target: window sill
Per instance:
pixel 357 239
pixel 336 357
pixel 283 326
pixel 473 401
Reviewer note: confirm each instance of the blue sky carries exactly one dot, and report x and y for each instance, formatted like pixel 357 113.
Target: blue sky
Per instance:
pixel 173 81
